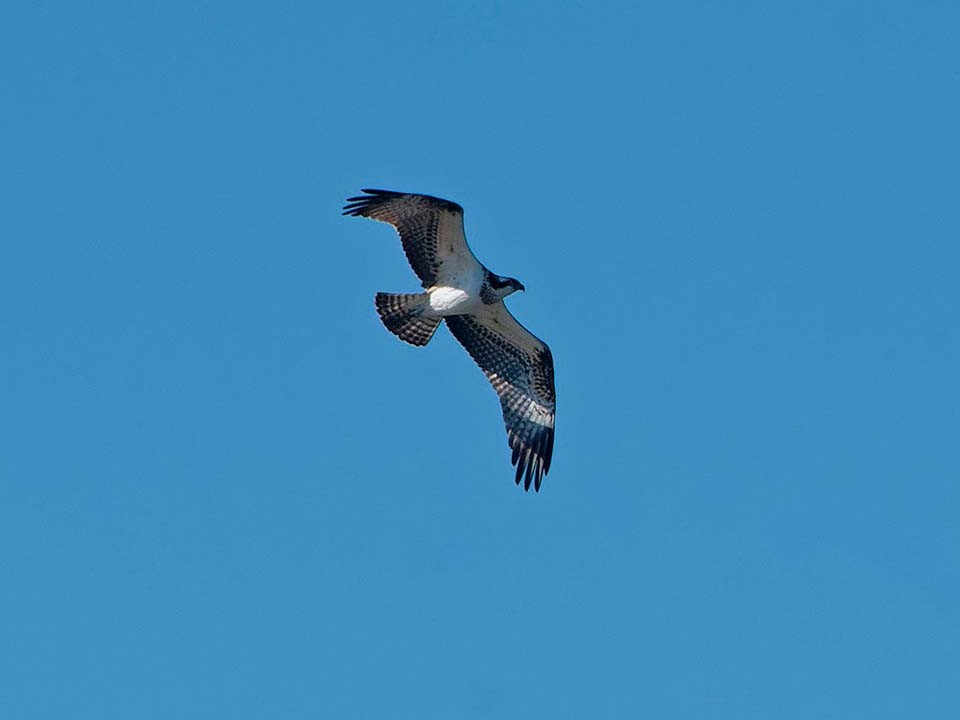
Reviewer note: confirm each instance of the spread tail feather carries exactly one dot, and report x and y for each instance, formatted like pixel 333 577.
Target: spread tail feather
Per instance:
pixel 401 315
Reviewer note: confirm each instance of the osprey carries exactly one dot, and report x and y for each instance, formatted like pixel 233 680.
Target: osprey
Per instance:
pixel 469 298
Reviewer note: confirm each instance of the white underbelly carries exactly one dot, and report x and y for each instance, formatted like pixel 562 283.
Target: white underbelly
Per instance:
pixel 452 300
pixel 457 290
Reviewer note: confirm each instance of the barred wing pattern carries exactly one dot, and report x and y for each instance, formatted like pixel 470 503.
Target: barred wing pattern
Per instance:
pixel 520 368
pixel 431 229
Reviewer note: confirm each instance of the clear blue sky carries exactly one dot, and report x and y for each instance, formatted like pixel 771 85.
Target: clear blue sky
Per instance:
pixel 228 492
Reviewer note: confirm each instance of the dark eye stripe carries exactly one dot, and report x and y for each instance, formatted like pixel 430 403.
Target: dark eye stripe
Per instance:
pixel 498 284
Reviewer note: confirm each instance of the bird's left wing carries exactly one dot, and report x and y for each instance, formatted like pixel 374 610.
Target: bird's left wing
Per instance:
pixel 430 228
pixel 520 368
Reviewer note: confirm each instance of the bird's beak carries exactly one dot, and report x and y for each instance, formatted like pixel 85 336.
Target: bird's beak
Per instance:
pixel 520 287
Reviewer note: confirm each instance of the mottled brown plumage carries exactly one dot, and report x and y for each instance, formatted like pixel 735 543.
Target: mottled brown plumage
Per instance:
pixel 522 375
pixel 421 220
pixel 469 298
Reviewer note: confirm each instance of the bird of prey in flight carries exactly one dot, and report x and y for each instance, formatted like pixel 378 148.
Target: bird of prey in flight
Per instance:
pixel 469 298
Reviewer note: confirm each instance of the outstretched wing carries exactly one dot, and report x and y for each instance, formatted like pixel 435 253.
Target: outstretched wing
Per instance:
pixel 520 368
pixel 431 229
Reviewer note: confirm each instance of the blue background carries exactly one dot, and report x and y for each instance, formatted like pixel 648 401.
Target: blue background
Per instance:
pixel 227 491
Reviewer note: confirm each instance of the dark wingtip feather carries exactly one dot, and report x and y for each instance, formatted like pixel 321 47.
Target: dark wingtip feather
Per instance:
pixel 548 453
pixel 532 459
pixel 357 204
pixel 376 196
pixel 387 193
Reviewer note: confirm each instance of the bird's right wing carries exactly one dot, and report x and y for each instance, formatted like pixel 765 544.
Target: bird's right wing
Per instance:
pixel 431 229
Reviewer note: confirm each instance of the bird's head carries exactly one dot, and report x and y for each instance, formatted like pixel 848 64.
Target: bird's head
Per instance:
pixel 505 285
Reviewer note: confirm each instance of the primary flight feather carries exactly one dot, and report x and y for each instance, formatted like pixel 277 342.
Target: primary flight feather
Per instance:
pixel 469 298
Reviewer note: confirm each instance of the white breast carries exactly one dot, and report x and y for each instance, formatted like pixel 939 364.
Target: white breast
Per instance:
pixel 448 300
pixel 458 290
